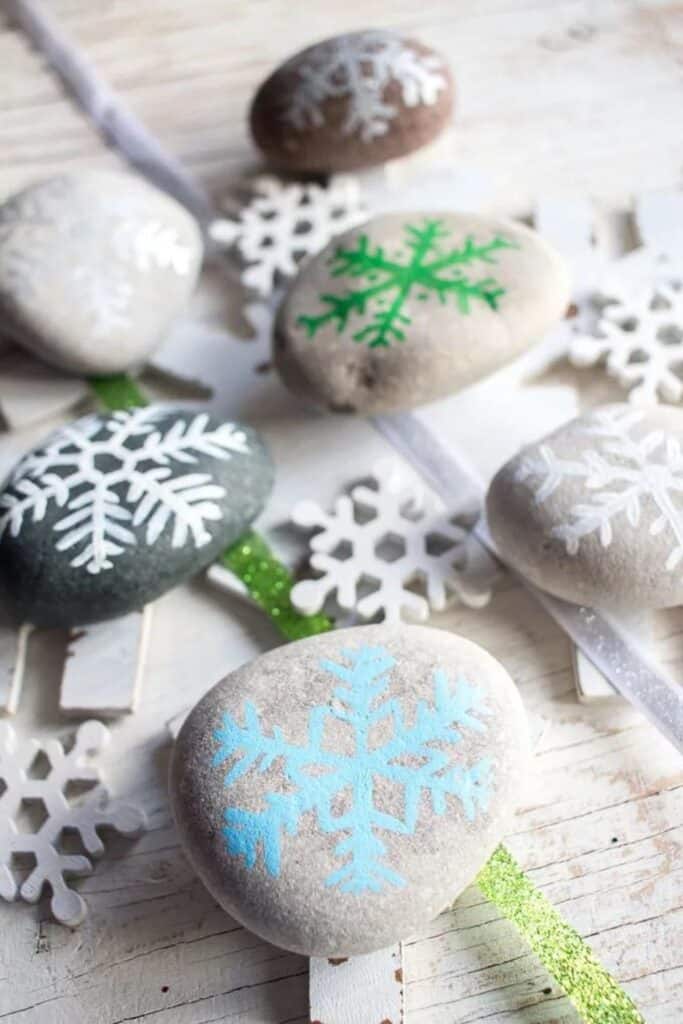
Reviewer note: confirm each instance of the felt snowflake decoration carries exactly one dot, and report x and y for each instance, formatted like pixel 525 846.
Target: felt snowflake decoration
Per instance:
pixel 414 757
pixel 283 223
pixel 358 68
pixel 390 538
pixel 109 474
pixel 622 475
pixel 61 812
pixel 639 337
pixel 426 270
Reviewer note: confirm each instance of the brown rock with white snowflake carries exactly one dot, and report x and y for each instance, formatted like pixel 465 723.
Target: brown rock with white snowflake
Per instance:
pixel 594 512
pixel 352 101
pixel 409 308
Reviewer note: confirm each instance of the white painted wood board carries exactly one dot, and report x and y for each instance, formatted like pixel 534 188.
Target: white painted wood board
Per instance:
pixel 586 97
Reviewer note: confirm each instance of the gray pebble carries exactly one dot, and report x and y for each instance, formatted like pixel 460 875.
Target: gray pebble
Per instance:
pixel 594 512
pixel 337 793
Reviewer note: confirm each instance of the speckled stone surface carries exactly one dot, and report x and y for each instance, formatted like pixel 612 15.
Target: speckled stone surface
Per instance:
pixel 337 793
pixel 411 307
pixel 114 509
pixel 94 267
pixel 352 101
pixel 594 512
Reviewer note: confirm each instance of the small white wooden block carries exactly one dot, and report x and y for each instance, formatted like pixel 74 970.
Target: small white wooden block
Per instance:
pixel 361 990
pixel 13 645
pixel 659 220
pixel 31 391
pixel 104 666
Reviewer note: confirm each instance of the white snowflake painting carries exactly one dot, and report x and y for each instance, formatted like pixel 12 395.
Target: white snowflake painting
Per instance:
pixel 396 541
pixel 359 67
pixel 284 223
pixel 638 335
pixel 62 813
pixel 42 227
pixel 108 476
pixel 627 478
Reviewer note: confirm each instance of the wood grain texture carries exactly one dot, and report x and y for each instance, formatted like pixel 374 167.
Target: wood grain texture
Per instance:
pixel 578 98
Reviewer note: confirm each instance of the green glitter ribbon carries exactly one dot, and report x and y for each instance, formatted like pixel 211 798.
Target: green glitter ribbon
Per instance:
pixel 118 392
pixel 594 992
pixel 269 583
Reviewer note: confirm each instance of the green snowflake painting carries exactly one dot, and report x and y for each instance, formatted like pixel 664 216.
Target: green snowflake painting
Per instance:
pixel 429 270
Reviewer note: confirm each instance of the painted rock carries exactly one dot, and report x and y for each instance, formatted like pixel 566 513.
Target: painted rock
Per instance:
pixel 337 793
pixel 411 307
pixel 352 101
pixel 115 509
pixel 594 512
pixel 94 267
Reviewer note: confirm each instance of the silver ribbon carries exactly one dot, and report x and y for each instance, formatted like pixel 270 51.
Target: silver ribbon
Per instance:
pixel 602 639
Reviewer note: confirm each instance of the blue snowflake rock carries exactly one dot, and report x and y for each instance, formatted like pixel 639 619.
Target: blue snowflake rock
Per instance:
pixel 338 792
pixel 411 307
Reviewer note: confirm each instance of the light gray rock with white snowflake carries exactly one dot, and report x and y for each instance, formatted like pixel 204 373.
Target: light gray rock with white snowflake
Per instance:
pixel 94 267
pixel 594 512
pixel 411 307
pixel 321 791
pixel 352 101
pixel 113 510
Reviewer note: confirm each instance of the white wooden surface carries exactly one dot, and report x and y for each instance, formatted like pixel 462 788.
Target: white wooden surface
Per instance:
pixel 570 97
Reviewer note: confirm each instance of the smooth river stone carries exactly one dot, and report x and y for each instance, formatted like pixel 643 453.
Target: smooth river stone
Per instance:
pixel 337 793
pixel 115 509
pixel 94 267
pixel 352 101
pixel 594 512
pixel 412 307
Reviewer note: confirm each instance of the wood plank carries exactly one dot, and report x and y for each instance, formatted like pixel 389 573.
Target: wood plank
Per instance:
pixel 361 990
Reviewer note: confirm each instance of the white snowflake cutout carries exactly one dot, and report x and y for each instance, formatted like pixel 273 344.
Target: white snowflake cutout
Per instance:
pixel 638 334
pixel 283 223
pixel 392 535
pixel 82 815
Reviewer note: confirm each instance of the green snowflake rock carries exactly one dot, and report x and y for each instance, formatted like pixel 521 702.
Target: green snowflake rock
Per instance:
pixel 322 790
pixel 411 307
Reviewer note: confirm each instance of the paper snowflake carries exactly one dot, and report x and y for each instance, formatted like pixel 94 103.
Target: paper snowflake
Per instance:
pixel 315 775
pixel 61 813
pixel 284 223
pixel 113 473
pixel 639 336
pixel 622 477
pixel 427 271
pixel 393 538
pixel 359 67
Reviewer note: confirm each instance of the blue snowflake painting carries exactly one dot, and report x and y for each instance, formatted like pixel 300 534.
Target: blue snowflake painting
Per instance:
pixel 315 777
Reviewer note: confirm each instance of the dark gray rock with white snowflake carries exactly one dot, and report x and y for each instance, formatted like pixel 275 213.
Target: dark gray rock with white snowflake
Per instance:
pixel 593 513
pixel 113 510
pixel 412 307
pixel 352 101
pixel 94 267
pixel 337 793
